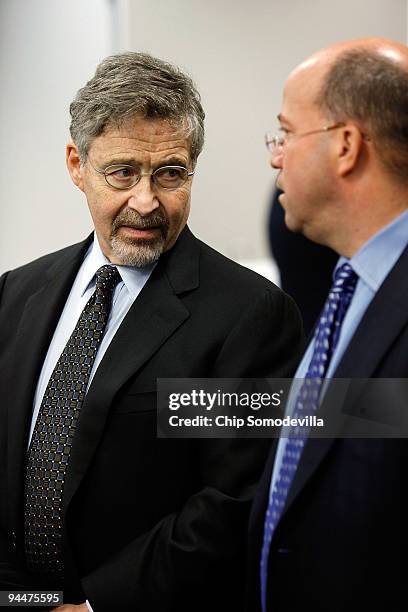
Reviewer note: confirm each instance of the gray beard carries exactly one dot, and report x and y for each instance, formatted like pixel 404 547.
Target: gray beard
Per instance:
pixel 137 253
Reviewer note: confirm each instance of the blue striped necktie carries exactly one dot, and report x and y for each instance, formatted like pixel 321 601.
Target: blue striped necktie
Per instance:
pixel 307 402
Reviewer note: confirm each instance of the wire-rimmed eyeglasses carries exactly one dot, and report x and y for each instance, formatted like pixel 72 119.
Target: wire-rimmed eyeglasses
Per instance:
pixel 124 176
pixel 279 140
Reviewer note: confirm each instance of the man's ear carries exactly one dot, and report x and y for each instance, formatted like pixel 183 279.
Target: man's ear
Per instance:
pixel 348 147
pixel 74 165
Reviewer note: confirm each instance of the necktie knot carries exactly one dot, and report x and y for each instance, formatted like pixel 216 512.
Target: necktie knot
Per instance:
pixel 345 279
pixel 107 277
pixel 331 320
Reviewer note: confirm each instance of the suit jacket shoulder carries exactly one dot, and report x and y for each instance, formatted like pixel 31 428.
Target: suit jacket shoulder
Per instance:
pixel 25 278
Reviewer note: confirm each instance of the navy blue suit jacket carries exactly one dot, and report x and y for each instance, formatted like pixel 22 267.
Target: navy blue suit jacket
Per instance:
pixel 342 541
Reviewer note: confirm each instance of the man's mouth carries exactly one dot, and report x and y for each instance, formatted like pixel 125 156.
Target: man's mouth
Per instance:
pixel 141 232
pixel 133 227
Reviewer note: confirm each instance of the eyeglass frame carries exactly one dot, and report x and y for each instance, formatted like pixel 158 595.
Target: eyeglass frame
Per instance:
pixel 151 174
pixel 274 142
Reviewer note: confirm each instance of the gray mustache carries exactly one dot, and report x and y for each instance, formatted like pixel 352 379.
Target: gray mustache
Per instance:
pixel 132 219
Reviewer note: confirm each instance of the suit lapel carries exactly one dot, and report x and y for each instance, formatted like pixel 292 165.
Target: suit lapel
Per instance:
pixel 33 336
pixel 154 316
pixel 384 319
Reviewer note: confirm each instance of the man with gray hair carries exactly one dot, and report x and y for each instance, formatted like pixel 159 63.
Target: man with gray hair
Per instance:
pixel 91 502
pixel 329 524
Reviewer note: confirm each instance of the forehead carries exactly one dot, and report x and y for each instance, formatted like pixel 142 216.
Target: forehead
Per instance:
pixel 142 140
pixel 300 93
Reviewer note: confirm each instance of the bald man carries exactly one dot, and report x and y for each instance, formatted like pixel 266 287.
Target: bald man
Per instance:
pixel 329 528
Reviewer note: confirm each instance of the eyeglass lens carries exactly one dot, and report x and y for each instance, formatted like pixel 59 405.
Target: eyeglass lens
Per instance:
pixel 124 177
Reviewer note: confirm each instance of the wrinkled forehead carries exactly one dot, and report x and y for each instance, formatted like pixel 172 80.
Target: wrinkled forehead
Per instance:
pixel 176 125
pixel 136 127
pixel 148 136
pixel 154 130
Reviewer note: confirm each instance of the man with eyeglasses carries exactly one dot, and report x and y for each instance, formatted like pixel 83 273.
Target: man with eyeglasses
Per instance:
pixel 91 502
pixel 328 526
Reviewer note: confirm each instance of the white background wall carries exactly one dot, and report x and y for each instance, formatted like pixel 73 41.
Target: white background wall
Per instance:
pixel 238 52
pixel 48 49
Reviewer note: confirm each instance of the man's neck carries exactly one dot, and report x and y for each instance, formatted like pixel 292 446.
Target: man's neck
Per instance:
pixel 365 217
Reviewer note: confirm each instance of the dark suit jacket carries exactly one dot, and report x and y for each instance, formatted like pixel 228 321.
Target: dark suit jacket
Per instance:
pixel 149 524
pixel 342 541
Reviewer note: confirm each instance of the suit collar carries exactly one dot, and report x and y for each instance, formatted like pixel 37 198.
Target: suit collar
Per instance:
pixel 384 318
pixel 68 261
pixel 133 278
pixel 181 263
pixel 375 259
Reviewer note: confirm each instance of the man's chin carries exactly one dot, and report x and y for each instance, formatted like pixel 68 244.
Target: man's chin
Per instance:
pixel 292 224
pixel 137 252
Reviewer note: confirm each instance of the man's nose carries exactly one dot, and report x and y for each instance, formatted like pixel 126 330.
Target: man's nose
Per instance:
pixel 277 158
pixel 143 197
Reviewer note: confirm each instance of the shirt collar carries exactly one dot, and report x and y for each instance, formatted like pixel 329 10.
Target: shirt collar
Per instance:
pixel 374 261
pixel 132 277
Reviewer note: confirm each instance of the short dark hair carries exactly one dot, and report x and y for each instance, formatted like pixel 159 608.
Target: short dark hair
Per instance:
pixel 373 91
pixel 128 85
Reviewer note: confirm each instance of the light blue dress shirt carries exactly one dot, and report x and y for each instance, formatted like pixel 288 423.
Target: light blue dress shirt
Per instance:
pixel 372 263
pixel 126 291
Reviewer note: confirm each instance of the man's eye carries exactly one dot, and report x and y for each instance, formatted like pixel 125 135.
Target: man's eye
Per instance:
pixel 121 173
pixel 170 173
pixel 168 176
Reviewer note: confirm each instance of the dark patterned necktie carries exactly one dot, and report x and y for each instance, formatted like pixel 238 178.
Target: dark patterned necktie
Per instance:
pixel 54 431
pixel 307 402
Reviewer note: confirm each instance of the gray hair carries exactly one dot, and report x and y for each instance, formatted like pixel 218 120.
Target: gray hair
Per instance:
pixel 129 85
pixel 371 90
